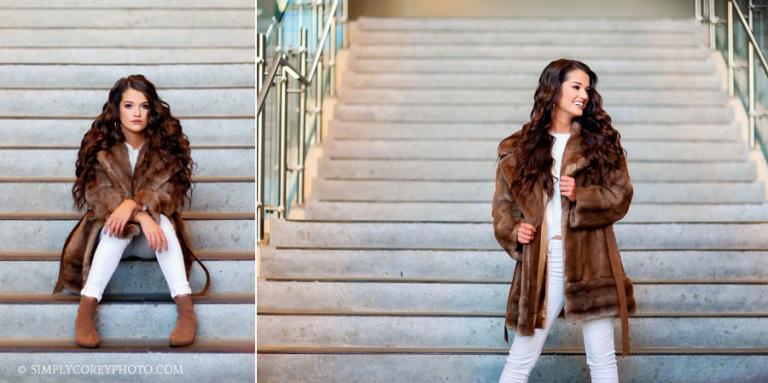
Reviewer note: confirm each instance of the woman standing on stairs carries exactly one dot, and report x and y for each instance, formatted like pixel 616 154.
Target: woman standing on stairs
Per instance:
pixel 561 183
pixel 134 174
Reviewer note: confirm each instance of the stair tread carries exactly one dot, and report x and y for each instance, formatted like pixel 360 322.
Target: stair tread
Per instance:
pixel 121 346
pixel 47 256
pixel 312 349
pixel 211 298
pixel 188 215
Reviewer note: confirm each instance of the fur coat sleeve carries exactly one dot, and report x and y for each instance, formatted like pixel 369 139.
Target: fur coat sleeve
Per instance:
pixel 157 194
pixel 598 206
pixel 506 217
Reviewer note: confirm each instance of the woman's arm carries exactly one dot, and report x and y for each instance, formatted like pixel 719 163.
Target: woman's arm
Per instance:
pixel 506 218
pixel 597 206
pixel 157 201
pixel 101 195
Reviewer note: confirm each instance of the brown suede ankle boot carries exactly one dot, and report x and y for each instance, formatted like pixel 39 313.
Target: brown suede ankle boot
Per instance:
pixel 85 324
pixel 186 325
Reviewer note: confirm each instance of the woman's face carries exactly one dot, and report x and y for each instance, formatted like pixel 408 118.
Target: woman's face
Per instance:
pixel 573 93
pixel 134 111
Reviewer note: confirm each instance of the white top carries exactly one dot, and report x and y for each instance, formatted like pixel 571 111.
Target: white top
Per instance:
pixel 133 154
pixel 554 207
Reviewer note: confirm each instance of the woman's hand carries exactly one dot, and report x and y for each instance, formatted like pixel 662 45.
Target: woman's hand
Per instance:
pixel 153 232
pixel 119 218
pixel 525 233
pixel 568 188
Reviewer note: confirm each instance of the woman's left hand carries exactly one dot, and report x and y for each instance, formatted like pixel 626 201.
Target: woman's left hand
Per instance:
pixel 568 188
pixel 119 218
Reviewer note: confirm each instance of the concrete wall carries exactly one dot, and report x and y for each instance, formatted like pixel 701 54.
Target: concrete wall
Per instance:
pixel 676 9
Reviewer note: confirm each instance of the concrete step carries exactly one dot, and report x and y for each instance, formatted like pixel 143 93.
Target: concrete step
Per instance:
pixel 56 197
pixel 522 37
pixel 87 103
pixel 240 5
pixel 481 212
pixel 472 191
pixel 486 299
pixel 131 277
pixel 497 131
pixel 464 365
pixel 60 162
pixel 446 170
pixel 527 81
pixel 139 362
pixel 477 114
pixel 49 360
pixel 232 235
pixel 439 149
pixel 464 236
pixel 71 77
pixel 524 65
pixel 518 98
pixel 625 25
pixel 456 332
pixel 496 266
pixel 518 50
pixel 125 18
pixel 69 132
pixel 126 55
pixel 128 38
pixel 118 320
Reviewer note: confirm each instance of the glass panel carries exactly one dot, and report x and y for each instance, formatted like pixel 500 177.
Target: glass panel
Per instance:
pixel 288 18
pixel 740 60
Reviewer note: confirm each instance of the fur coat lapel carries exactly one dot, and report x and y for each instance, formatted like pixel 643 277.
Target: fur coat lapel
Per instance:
pixel 573 161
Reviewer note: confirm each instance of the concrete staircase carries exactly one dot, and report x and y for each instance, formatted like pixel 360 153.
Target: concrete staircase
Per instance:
pixel 58 59
pixel 395 274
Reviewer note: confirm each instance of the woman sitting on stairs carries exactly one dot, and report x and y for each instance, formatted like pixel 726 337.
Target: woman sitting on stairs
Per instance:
pixel 561 183
pixel 134 173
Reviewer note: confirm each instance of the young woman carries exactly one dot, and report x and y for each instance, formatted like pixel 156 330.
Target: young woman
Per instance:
pixel 134 173
pixel 561 183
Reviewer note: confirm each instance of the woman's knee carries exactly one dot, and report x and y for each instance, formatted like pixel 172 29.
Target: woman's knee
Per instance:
pixel 166 224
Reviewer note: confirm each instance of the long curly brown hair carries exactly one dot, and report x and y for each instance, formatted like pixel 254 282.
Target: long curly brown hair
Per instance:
pixel 163 135
pixel 533 147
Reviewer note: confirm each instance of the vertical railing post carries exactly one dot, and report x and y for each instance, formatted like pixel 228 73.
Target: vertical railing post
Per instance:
pixel 345 23
pixel 712 26
pixel 730 49
pixel 283 143
pixel 302 115
pixel 751 83
pixel 319 88
pixel 696 10
pixel 332 61
pixel 261 52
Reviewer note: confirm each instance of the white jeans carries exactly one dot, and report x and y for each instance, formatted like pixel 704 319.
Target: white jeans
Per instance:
pixel 111 250
pixel 598 333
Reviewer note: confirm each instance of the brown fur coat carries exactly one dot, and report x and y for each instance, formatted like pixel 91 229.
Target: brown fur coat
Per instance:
pixel 592 264
pixel 152 185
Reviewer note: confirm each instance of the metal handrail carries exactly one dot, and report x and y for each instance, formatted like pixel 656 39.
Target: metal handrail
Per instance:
pixel 752 39
pixel 326 30
pixel 753 47
pixel 278 73
pixel 295 74
pixel 272 73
